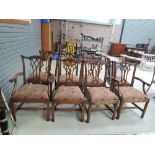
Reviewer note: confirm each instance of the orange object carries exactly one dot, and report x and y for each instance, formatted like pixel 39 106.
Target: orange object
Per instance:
pixel 117 49
pixel 46 37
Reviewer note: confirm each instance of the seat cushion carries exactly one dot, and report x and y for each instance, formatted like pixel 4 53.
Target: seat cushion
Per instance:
pixel 68 93
pixel 101 95
pixel 43 78
pixel 32 92
pixel 132 94
pixel 90 81
pixel 62 79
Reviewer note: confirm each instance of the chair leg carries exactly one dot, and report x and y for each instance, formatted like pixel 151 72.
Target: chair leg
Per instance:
pixel 115 110
pixel 55 84
pixel 48 112
pixel 83 111
pixel 13 110
pixel 119 110
pixel 145 107
pixel 51 91
pixel 53 109
pixel 89 112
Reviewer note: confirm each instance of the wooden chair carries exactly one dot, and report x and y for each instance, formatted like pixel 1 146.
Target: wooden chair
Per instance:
pixel 128 94
pixel 96 90
pixel 40 74
pixel 30 92
pixel 68 92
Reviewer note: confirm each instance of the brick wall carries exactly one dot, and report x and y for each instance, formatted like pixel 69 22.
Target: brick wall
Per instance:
pixel 74 30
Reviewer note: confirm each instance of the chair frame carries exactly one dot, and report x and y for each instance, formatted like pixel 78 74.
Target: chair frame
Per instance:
pixel 38 64
pixel 135 106
pixel 95 72
pixel 69 64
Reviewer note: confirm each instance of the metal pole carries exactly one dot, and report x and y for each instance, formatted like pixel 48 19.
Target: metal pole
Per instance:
pixel 123 24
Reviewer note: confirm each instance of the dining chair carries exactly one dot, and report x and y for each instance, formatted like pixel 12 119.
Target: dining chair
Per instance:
pixel 68 92
pixel 96 90
pixel 35 92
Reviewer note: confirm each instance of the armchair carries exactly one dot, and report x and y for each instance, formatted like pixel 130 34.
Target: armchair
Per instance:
pixel 30 92
pixel 129 94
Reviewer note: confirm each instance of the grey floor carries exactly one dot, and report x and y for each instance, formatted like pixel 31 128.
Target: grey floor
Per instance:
pixel 34 123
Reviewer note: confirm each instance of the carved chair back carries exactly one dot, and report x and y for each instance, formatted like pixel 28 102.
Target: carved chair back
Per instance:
pixel 36 66
pixel 94 71
pixel 47 55
pixel 59 68
pixel 69 65
pixel 121 71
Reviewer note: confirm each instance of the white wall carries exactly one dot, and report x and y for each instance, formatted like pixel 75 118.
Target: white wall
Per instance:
pixel 138 31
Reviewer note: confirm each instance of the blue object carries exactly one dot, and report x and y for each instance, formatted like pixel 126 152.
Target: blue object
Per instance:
pixel 45 20
pixel 56 56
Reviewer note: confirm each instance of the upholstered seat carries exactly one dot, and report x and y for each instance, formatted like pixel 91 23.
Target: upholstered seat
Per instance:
pixel 68 93
pixel 31 92
pixel 102 95
pixel 62 79
pixel 132 94
pixel 42 79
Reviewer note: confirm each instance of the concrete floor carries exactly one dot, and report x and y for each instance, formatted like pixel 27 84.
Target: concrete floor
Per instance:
pixel 34 123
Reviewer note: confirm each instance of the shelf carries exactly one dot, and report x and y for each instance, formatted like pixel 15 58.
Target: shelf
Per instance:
pixel 92 40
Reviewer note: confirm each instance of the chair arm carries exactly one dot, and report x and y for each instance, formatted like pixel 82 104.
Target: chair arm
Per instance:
pixel 13 79
pixel 144 82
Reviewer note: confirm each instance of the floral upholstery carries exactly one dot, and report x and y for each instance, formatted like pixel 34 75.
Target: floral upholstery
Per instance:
pixel 62 79
pixel 43 78
pixel 90 81
pixel 32 92
pixel 68 93
pixel 101 94
pixel 132 94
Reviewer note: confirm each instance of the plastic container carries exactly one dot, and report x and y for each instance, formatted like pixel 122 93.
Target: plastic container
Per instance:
pixel 56 56
pixel 45 20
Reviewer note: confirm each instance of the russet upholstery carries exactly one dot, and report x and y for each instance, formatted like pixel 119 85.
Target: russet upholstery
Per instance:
pixel 30 92
pixel 101 95
pixel 68 93
pixel 132 94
